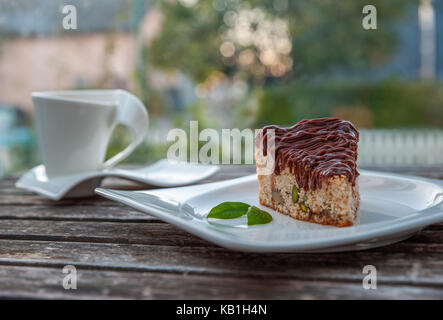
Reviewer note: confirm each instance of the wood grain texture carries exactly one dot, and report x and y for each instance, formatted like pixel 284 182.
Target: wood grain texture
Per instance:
pixel 394 263
pixel 123 253
pixel 23 282
pixel 80 213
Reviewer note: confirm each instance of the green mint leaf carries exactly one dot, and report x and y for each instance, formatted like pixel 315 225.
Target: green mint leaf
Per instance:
pixel 257 216
pixel 229 210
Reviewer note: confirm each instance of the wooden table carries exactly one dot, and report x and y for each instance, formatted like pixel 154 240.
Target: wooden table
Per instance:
pixel 121 253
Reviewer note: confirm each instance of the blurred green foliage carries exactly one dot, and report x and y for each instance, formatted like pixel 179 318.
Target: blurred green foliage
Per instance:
pixel 391 103
pixel 326 38
pixel 326 35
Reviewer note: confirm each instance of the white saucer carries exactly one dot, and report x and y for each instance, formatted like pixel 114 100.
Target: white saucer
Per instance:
pixel 162 174
pixel 393 208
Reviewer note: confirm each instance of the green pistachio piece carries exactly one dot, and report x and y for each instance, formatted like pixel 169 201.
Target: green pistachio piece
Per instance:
pixel 303 207
pixel 294 194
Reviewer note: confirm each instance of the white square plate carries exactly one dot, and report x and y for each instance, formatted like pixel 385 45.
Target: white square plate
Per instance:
pixel 393 208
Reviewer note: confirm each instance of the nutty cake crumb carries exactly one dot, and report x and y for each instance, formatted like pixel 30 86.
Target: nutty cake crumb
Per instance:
pixel 323 190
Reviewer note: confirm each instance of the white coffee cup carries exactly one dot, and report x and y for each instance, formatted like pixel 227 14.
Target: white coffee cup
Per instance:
pixel 74 128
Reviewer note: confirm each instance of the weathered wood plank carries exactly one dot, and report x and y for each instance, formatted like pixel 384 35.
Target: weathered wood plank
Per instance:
pixel 122 253
pixel 33 199
pixel 104 232
pixel 74 213
pixel 7 186
pixel 29 282
pixel 128 231
pixel 85 213
pixel 403 263
pixel 125 232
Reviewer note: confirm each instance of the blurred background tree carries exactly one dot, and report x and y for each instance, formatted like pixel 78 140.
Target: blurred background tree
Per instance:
pixel 226 63
pixel 281 55
pixel 276 39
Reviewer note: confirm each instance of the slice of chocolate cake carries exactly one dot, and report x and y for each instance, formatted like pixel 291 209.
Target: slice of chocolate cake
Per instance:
pixel 315 171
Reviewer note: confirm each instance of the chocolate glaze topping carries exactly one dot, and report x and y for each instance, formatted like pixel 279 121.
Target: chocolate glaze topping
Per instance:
pixel 315 150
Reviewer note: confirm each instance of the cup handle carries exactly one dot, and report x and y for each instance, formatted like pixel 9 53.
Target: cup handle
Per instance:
pixel 131 112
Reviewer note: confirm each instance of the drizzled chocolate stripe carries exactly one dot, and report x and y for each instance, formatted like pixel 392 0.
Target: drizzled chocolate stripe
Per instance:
pixel 315 150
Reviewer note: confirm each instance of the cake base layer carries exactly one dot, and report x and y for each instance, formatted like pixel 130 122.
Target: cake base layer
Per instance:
pixel 335 203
